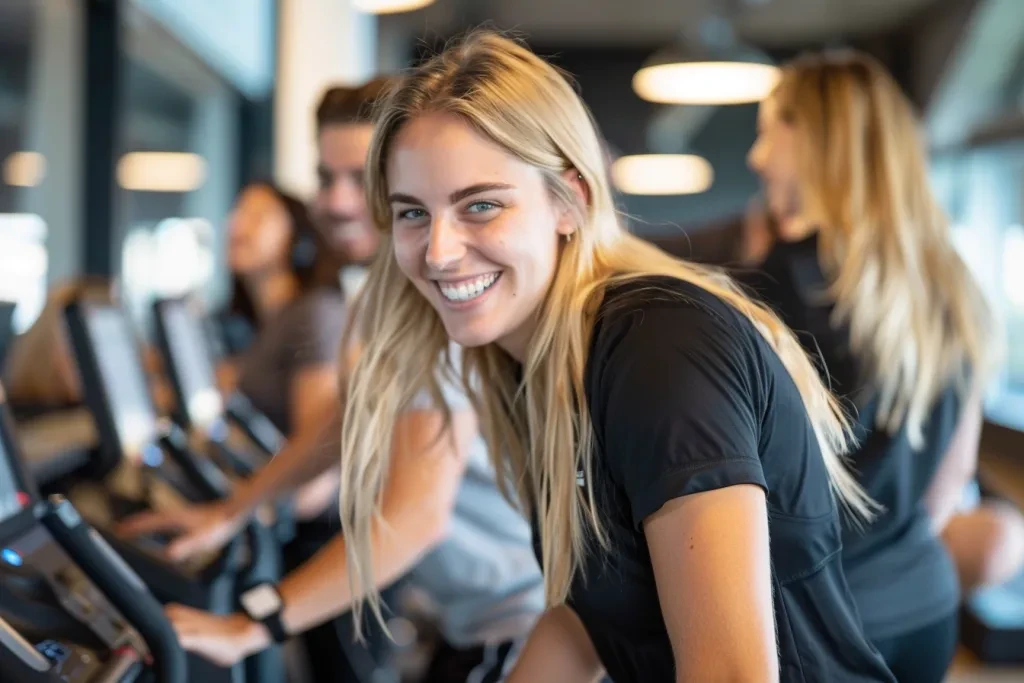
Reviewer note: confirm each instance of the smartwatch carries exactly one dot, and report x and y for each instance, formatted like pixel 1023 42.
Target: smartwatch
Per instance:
pixel 263 603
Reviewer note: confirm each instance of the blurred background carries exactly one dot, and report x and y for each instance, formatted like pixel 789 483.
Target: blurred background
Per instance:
pixel 128 126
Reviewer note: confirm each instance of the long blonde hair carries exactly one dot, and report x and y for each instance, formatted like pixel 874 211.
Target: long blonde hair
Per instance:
pixel 917 319
pixel 537 428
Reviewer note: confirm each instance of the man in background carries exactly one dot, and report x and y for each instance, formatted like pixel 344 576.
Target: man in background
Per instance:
pixel 344 129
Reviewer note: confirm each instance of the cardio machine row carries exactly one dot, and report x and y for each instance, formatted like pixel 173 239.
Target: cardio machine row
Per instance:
pixel 81 603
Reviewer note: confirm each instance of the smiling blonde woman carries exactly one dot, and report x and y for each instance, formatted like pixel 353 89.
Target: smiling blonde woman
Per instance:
pixel 659 427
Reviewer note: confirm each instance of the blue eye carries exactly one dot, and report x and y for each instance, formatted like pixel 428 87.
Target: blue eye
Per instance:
pixel 481 207
pixel 412 214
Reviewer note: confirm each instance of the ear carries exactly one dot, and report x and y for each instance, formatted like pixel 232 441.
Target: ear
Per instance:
pixel 574 179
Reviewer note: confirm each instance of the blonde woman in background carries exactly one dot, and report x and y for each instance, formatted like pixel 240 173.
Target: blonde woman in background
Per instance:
pixel 661 428
pixel 865 272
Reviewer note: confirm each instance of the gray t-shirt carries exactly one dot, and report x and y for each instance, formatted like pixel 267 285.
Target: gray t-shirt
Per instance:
pixel 304 333
pixel 483 577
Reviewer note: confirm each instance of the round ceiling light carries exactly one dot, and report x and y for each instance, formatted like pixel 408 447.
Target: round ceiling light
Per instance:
pixel 709 67
pixel 390 6
pixel 662 174
pixel 705 82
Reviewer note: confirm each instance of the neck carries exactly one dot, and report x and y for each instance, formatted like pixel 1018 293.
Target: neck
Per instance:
pixel 796 228
pixel 517 342
pixel 270 292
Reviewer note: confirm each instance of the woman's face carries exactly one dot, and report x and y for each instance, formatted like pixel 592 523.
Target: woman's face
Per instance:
pixel 773 158
pixel 260 233
pixel 475 229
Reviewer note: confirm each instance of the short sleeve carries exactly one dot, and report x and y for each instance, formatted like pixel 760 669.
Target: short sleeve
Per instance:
pixel 677 405
pixel 314 330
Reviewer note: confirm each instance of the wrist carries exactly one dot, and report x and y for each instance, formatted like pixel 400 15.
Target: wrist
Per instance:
pixel 240 503
pixel 256 636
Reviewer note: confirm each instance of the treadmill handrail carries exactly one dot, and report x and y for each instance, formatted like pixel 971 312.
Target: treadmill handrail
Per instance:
pixel 203 474
pixel 120 584
pixel 255 424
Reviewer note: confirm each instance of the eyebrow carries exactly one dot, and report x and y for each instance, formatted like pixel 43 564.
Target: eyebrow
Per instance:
pixel 456 196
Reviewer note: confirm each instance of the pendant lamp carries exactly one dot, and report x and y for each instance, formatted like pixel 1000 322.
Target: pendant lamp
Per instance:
pixel 709 68
pixel 390 6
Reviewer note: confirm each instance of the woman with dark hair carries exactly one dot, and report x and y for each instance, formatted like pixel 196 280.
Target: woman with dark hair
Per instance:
pixel 274 251
pixel 286 284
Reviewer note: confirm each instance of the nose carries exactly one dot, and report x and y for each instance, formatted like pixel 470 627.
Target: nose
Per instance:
pixel 446 246
pixel 236 226
pixel 345 197
pixel 755 157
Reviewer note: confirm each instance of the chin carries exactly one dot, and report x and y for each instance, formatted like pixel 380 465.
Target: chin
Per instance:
pixel 356 253
pixel 468 336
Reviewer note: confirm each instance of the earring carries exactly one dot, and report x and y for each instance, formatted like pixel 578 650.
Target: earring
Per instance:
pixel 568 238
pixel 579 176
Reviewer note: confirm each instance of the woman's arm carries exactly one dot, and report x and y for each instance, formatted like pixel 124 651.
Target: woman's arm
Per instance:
pixel 957 467
pixel 425 474
pixel 307 454
pixel 424 479
pixel 312 388
pixel 713 569
pixel 558 651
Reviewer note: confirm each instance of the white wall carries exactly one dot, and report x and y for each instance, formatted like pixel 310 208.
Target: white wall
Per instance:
pixel 320 43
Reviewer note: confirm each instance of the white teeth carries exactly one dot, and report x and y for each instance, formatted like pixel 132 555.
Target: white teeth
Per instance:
pixel 469 289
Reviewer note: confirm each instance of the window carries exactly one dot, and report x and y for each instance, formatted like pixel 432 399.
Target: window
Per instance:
pixel 176 170
pixel 982 191
pixel 23 256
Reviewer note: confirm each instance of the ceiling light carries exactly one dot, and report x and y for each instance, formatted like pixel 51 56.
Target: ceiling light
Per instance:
pixel 707 82
pixel 390 6
pixel 161 171
pixel 24 169
pixel 710 68
pixel 662 174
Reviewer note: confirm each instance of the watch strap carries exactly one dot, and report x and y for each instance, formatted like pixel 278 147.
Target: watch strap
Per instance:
pixel 275 626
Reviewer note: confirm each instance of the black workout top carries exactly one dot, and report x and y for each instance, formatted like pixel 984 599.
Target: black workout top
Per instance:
pixel 685 396
pixel 898 570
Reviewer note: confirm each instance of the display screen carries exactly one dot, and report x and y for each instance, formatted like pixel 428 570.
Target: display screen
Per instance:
pixel 191 360
pixel 9 503
pixel 6 326
pixel 123 377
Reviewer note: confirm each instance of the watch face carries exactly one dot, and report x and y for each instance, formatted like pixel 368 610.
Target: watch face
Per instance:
pixel 261 601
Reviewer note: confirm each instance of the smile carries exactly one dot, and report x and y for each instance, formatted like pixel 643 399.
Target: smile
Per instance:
pixel 469 289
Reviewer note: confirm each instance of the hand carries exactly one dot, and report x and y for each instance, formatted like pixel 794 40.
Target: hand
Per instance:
pixel 224 640
pixel 203 528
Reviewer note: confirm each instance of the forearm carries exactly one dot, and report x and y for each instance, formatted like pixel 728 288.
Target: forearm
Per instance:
pixel 737 669
pixel 304 457
pixel 317 495
pixel 319 590
pixel 558 651
pixel 957 468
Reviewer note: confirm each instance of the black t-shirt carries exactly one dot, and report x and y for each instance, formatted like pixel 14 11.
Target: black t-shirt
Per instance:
pixel 685 396
pixel 899 571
